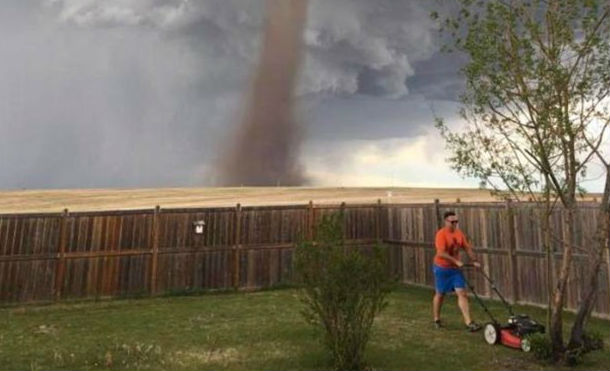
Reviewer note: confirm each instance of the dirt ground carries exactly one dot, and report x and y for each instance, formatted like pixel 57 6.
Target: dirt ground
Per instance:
pixel 119 199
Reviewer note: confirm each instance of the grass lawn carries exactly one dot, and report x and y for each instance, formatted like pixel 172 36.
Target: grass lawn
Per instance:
pixel 246 331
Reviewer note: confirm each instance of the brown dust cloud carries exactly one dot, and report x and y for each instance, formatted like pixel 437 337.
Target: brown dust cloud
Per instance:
pixel 264 149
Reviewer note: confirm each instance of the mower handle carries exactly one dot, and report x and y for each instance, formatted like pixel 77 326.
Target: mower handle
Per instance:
pixel 493 287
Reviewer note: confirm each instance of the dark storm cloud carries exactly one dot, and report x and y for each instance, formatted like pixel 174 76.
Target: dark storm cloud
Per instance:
pixel 369 118
pixel 352 46
pixel 437 78
pixel 140 92
pixel 100 107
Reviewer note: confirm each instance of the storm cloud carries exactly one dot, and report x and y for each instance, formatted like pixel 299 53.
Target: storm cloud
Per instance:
pixel 141 92
pixel 352 46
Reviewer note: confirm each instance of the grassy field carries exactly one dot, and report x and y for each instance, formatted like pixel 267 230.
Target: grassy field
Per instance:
pixel 113 199
pixel 116 199
pixel 245 331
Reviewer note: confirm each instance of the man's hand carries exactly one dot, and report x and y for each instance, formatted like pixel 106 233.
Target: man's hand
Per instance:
pixel 477 264
pixel 459 264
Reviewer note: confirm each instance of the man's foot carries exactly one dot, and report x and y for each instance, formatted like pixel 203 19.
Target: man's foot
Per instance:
pixel 438 324
pixel 473 326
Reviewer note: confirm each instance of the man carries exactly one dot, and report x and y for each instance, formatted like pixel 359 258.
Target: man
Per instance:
pixel 447 274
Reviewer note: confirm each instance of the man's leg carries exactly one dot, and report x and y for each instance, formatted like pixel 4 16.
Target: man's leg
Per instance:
pixel 460 289
pixel 437 302
pixel 463 304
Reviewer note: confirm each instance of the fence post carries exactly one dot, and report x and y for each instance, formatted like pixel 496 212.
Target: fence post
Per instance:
pixel 378 222
pixel 512 257
pixel 608 260
pixel 310 220
pixel 155 250
pixel 61 263
pixel 437 212
pixel 236 246
pixel 343 221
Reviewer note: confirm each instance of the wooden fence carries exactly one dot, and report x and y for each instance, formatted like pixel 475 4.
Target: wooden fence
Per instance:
pixel 48 257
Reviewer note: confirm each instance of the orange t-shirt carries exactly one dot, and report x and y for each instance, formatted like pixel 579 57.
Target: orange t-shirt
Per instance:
pixel 449 243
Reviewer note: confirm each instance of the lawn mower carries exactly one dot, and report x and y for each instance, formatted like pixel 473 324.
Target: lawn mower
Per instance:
pixel 512 334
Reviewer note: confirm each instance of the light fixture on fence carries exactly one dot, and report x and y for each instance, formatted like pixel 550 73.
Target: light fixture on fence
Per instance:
pixel 198 226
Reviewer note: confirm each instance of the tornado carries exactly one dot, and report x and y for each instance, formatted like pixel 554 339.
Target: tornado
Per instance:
pixel 265 149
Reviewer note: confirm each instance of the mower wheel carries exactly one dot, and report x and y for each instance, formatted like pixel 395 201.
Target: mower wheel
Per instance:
pixel 526 345
pixel 491 332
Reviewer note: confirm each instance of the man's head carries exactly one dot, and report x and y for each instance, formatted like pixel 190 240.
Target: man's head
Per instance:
pixel 451 220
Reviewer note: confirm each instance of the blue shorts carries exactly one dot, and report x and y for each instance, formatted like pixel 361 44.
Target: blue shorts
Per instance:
pixel 447 279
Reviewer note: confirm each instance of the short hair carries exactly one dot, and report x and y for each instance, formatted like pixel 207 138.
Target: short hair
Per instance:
pixel 448 214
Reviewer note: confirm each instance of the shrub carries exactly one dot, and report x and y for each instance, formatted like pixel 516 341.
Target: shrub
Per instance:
pixel 543 349
pixel 541 346
pixel 342 289
pixel 593 340
pixel 574 356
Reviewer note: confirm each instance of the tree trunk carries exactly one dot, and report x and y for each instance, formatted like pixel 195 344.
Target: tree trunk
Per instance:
pixel 596 259
pixel 546 240
pixel 556 328
pixel 586 305
pixel 550 267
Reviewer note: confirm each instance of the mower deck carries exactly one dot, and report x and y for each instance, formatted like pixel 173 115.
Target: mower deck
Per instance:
pixel 514 333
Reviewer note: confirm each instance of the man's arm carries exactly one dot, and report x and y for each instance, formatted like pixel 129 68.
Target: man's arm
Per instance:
pixel 471 254
pixel 450 258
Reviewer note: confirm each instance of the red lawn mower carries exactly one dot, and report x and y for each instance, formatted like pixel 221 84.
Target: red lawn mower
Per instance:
pixel 512 334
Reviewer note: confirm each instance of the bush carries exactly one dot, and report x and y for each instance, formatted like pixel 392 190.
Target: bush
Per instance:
pixel 592 341
pixel 342 289
pixel 542 347
pixel 574 356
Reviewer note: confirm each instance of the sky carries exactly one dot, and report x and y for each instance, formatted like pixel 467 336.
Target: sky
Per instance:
pixel 144 93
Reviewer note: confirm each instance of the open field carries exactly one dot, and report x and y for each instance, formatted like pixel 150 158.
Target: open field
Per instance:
pixel 248 331
pixel 119 199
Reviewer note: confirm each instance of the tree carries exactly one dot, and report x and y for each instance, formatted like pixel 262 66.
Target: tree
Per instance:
pixel 596 259
pixel 535 106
